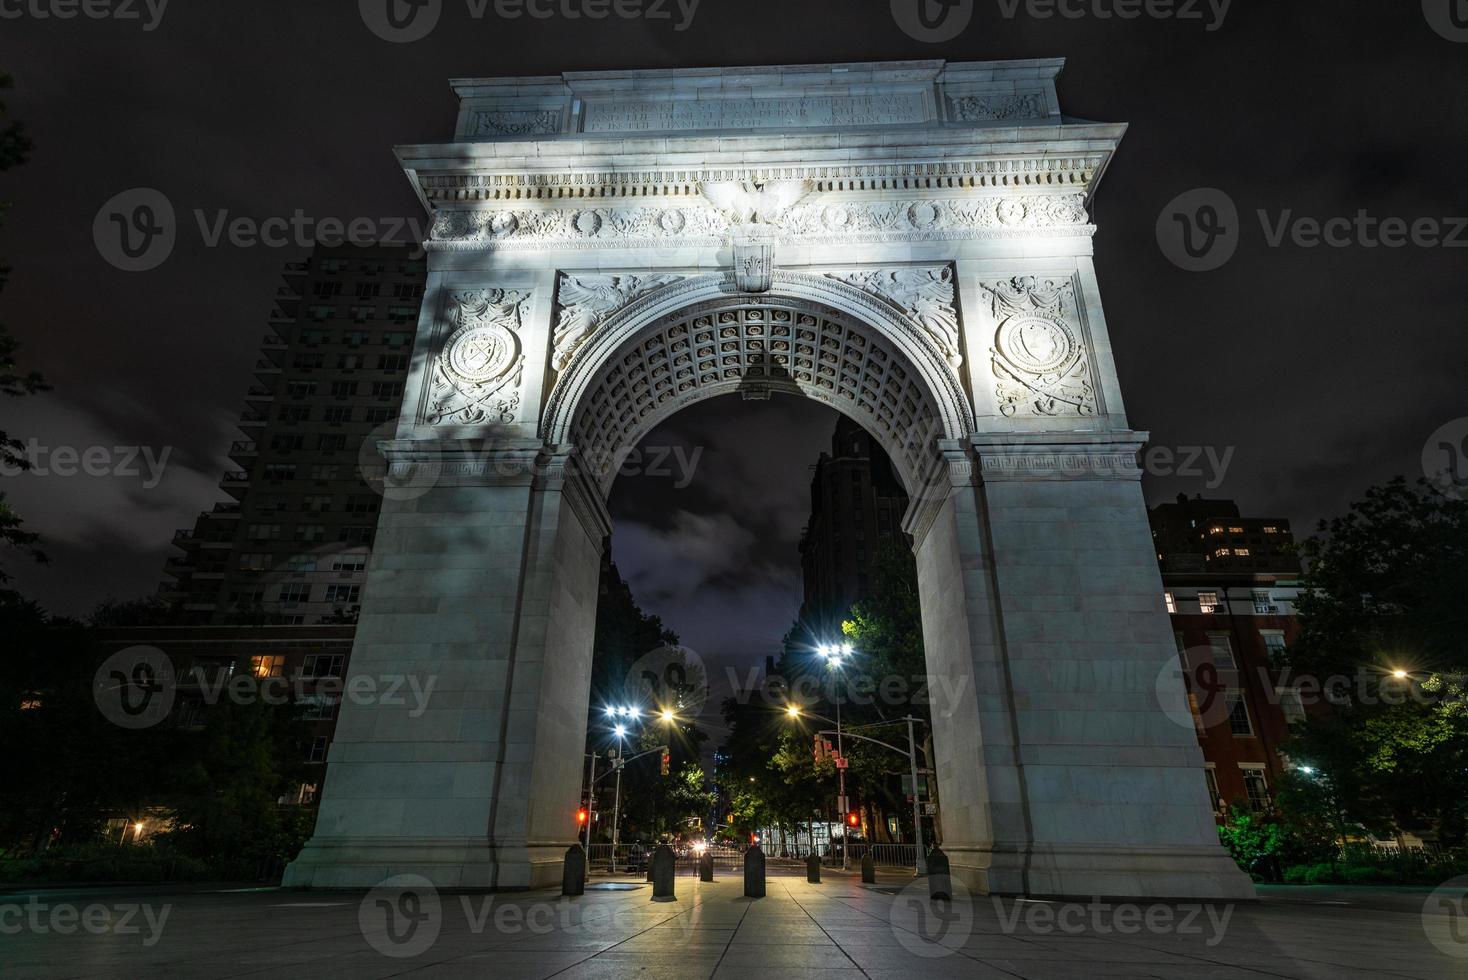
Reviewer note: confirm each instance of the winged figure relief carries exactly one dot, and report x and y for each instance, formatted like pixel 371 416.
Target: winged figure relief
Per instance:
pixel 746 202
pixel 586 301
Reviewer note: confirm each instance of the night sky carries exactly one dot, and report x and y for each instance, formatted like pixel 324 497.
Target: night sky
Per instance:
pixel 1322 370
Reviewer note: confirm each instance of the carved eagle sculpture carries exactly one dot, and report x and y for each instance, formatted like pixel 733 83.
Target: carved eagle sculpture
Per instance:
pixel 746 202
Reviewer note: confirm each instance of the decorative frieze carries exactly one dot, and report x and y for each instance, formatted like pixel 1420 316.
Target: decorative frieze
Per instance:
pixel 515 122
pixel 803 223
pixel 477 375
pixel 1039 357
pixel 982 108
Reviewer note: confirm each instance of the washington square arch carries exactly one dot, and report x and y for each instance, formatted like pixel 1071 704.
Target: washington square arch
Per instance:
pixel 909 243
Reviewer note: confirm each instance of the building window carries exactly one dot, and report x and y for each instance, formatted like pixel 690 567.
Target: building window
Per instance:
pixel 294 592
pixel 1242 552
pixel 346 594
pixel 377 416
pixel 343 389
pixel 1235 530
pixel 1270 529
pixel 337 414
pixel 1262 605
pixel 318 749
pixel 254 561
pixel 302 563
pixel 1291 705
pixel 349 563
pixel 280 471
pixel 1238 713
pixel 1177 639
pixel 310 532
pixel 1208 602
pixel 368 290
pixel 1274 642
pixel 272 666
pixel 1222 651
pixel 1211 776
pixel 393 362
pixel 318 707
pixel 323 665
pixel 324 471
pixel 1257 788
pixel 263 532
pixel 331 443
pixel 355 534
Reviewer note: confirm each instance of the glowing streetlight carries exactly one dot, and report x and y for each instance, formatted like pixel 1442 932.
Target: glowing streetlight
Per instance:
pixel 620 731
pixel 1399 674
pixel 668 715
pixel 793 711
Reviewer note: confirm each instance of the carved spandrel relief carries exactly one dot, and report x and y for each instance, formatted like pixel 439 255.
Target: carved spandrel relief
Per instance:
pixel 585 302
pixel 982 108
pixel 925 294
pixel 477 376
pixel 515 122
pixel 1040 361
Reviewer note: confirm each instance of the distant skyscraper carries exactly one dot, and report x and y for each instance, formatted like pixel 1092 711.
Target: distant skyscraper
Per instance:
pixel 1198 535
pixel 292 546
pixel 856 504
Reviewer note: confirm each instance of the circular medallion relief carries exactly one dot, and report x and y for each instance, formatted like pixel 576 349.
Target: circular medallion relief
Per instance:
pixel 586 222
pixel 503 223
pixel 672 221
pixel 1036 343
pixel 481 354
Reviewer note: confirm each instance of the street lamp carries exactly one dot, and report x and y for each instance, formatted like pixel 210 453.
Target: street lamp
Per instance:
pixel 834 654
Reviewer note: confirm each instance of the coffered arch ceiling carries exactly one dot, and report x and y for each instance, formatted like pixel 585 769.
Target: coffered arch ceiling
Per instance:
pixel 810 335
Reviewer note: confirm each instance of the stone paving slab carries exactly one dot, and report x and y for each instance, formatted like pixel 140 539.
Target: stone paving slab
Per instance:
pixel 831 931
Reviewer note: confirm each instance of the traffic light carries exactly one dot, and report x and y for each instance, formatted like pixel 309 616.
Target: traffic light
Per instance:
pixel 667 761
pixel 581 817
pixel 853 819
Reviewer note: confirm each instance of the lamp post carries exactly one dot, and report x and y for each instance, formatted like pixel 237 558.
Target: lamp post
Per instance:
pixel 834 653
pixel 618 761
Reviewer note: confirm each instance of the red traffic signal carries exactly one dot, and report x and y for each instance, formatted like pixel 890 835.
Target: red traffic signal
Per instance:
pixel 667 761
pixel 581 816
pixel 853 819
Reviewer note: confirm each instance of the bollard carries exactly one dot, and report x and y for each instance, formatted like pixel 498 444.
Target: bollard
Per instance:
pixel 868 869
pixel 940 885
pixel 706 867
pixel 663 869
pixel 754 873
pixel 813 869
pixel 573 871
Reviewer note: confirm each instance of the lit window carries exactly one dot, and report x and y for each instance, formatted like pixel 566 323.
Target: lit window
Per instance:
pixel 1207 601
pixel 1216 529
pixel 1270 529
pixel 1221 553
pixel 1242 552
pixel 1171 602
pixel 1235 530
pixel 273 666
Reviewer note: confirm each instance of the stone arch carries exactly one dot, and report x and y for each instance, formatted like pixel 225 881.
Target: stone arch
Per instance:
pixel 810 335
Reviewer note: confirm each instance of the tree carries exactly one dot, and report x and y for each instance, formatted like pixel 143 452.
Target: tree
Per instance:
pixel 15 148
pixel 1382 622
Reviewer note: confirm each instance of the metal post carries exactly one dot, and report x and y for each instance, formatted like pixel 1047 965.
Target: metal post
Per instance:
pixel 917 806
pixel 841 777
pixel 616 813
pixel 590 800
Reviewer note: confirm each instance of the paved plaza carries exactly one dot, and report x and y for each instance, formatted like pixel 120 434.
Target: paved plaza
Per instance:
pixel 835 930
